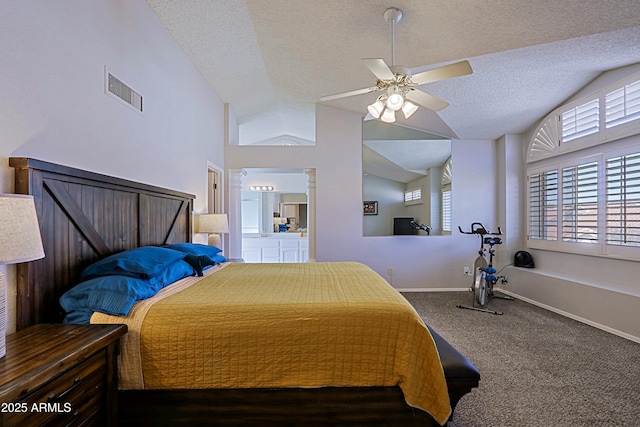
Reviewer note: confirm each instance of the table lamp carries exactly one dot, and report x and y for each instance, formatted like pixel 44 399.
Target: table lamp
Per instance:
pixel 214 225
pixel 20 241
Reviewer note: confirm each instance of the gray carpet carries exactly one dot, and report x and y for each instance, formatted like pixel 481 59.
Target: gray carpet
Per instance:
pixel 537 368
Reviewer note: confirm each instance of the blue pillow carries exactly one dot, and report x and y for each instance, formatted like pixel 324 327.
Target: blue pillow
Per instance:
pixel 217 259
pixel 108 294
pixel 79 317
pixel 144 263
pixel 195 249
pixel 116 294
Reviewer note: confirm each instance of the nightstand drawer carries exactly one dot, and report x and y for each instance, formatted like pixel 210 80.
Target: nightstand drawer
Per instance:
pixel 73 397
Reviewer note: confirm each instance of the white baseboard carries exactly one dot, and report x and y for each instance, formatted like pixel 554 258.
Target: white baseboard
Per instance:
pixel 432 289
pixel 573 316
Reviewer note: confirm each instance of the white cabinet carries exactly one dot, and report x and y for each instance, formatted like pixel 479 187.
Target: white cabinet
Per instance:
pixel 275 249
pixel 304 253
pixel 304 250
pixel 271 255
pixel 290 250
pixel 251 254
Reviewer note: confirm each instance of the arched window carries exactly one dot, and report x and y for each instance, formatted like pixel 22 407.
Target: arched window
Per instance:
pixel 588 200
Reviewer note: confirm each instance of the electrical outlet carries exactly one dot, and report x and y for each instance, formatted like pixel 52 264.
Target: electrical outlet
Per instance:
pixel 390 271
pixel 467 271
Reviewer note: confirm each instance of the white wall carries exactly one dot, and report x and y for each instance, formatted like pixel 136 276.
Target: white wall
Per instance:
pixel 390 197
pixel 53 106
pixel 417 261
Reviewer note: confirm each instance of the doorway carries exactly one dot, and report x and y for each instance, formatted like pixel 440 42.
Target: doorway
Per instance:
pixel 275 215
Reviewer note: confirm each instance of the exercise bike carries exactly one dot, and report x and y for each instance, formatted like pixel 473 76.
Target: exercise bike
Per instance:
pixel 484 272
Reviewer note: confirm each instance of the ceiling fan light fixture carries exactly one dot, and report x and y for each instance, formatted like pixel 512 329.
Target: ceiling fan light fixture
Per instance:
pixel 376 108
pixel 395 100
pixel 389 116
pixel 408 109
pixel 398 83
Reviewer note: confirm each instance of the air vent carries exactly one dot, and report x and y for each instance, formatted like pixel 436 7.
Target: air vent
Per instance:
pixel 123 92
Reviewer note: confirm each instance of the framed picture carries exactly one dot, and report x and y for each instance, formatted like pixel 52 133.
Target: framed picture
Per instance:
pixel 370 208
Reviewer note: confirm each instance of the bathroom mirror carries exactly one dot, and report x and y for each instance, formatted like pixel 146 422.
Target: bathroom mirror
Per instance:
pixel 273 201
pixel 406 178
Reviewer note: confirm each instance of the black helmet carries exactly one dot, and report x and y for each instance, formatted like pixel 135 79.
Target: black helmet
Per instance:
pixel 523 259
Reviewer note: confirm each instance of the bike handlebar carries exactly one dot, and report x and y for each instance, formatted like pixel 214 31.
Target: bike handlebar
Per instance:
pixel 478 228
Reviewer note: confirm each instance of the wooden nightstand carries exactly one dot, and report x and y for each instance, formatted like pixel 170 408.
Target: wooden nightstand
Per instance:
pixel 60 375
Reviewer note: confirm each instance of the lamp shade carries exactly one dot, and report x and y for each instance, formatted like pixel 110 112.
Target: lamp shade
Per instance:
pixel 408 109
pixel 376 108
pixel 213 223
pixel 20 239
pixel 389 116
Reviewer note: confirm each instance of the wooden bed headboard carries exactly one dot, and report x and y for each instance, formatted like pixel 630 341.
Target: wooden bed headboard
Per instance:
pixel 85 216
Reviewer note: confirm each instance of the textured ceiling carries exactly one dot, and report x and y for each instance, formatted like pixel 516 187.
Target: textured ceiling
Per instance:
pixel 273 60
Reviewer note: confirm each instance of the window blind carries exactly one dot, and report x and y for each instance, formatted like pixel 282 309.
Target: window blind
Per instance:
pixel 543 205
pixel 580 121
pixel 580 203
pixel 623 200
pixel 412 195
pixel 622 105
pixel 446 209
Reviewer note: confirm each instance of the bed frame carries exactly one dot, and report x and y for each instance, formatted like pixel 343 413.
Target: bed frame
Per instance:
pixel 85 216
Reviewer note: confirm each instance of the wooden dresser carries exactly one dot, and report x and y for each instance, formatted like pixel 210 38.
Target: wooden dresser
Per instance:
pixel 56 374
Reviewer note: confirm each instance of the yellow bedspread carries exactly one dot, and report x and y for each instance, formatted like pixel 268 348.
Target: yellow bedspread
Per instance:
pixel 291 325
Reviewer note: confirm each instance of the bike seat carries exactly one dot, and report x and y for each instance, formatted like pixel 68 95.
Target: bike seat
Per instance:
pixel 492 241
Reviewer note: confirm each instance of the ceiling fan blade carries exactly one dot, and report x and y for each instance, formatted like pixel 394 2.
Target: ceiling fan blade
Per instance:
pixel 458 69
pixel 426 100
pixel 379 68
pixel 352 93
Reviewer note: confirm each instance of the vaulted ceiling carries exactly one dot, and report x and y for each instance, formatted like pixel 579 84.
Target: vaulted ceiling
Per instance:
pixel 272 60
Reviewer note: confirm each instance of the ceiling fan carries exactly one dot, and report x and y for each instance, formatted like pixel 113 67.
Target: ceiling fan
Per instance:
pixel 399 86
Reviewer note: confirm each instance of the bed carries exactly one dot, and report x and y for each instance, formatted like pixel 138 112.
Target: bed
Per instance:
pixel 85 217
